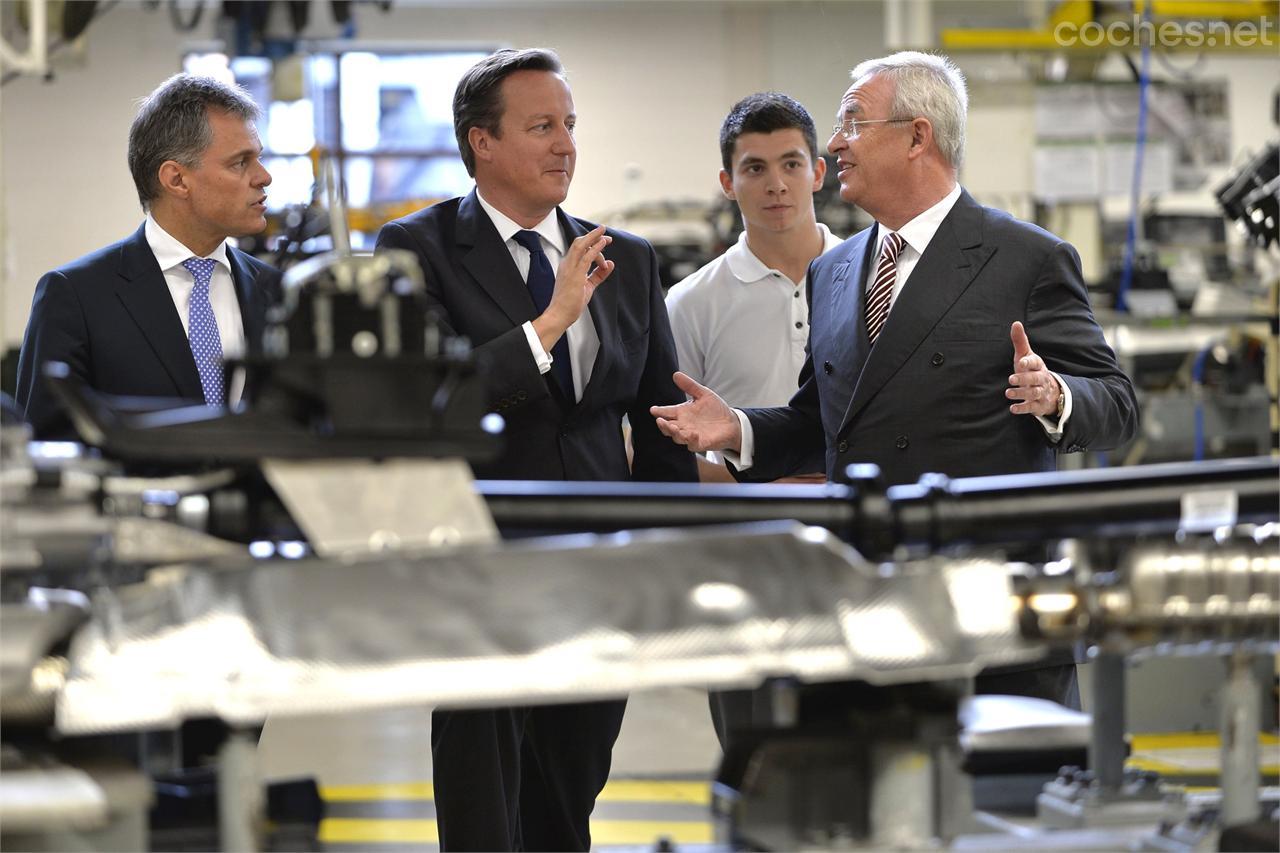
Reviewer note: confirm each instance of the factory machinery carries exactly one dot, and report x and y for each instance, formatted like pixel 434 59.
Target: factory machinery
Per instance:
pixel 326 549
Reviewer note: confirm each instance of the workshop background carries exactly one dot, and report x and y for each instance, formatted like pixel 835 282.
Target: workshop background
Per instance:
pixel 1052 137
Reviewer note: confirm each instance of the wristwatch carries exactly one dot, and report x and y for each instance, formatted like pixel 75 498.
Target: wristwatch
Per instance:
pixel 1062 398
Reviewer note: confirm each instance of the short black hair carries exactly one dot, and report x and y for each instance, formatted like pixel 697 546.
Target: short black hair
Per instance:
pixel 765 112
pixel 173 124
pixel 477 102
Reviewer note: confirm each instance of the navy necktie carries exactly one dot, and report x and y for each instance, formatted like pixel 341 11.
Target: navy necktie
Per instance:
pixel 542 283
pixel 202 333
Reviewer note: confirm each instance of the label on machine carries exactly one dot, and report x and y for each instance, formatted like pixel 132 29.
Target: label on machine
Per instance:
pixel 1206 511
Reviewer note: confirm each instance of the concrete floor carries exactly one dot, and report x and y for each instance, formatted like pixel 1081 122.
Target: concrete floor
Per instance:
pixel 665 734
pixel 666 740
pixel 375 768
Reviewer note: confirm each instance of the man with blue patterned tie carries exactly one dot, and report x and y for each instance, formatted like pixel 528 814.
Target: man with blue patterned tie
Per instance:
pixel 570 322
pixel 156 314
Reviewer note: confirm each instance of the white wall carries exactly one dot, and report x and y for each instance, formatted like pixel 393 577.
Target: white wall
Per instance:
pixel 651 82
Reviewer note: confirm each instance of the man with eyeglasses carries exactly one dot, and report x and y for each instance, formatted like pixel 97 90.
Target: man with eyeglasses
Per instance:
pixel 948 337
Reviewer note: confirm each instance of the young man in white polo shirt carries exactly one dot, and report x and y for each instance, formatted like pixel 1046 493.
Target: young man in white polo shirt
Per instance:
pixel 742 321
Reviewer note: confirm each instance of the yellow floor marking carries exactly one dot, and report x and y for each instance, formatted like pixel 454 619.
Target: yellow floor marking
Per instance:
pixel 1193 753
pixel 350 830
pixel 603 832
pixel 1184 740
pixel 655 791
pixel 610 832
pixel 1164 768
pixel 377 791
pixel 616 791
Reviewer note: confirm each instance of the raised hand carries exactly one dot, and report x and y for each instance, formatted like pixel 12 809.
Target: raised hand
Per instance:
pixel 576 282
pixel 704 422
pixel 1031 384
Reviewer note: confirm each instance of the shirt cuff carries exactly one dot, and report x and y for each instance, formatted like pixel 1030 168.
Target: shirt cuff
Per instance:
pixel 540 356
pixel 742 460
pixel 1051 429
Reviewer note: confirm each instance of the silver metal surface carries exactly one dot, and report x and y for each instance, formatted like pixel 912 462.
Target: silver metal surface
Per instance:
pixel 1241 705
pixel 34 704
pixel 359 506
pixel 562 619
pixel 1224 588
pixel 34 798
pixel 98 806
pixel 90 515
pixel 366 275
pixel 1081 806
pixel 902 795
pixel 1199 596
pixel 240 794
pixel 30 631
pixel 144 540
pixel 1011 723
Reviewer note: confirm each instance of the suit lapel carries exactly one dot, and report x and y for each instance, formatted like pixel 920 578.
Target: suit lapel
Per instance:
pixel 849 344
pixel 954 257
pixel 489 262
pixel 142 289
pixel 252 299
pixel 603 308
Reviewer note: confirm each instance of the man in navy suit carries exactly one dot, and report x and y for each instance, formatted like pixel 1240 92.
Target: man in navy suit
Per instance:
pixel 155 314
pixel 573 342
pixel 947 337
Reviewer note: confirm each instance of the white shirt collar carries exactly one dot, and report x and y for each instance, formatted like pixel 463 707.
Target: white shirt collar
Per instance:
pixel 746 267
pixel 169 250
pixel 919 231
pixel 548 228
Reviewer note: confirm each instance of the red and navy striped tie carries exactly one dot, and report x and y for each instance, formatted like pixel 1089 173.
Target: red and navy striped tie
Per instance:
pixel 880 291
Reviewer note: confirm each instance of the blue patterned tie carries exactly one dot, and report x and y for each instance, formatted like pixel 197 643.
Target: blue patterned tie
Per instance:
pixel 542 283
pixel 202 332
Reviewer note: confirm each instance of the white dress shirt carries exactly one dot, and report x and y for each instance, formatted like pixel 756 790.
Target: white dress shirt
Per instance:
pixel 170 253
pixel 584 341
pixel 916 235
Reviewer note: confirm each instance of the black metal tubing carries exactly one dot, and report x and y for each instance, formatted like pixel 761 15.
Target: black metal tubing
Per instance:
pixel 592 507
pixel 1099 503
pixel 934 514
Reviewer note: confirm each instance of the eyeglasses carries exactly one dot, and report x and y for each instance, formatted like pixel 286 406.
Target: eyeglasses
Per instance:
pixel 849 128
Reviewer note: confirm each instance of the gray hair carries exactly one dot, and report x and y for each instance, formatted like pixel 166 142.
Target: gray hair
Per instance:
pixel 173 124
pixel 926 85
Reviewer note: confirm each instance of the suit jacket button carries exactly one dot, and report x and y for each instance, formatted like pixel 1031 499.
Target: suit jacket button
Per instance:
pixel 827 368
pixel 842 447
pixel 937 359
pixel 902 443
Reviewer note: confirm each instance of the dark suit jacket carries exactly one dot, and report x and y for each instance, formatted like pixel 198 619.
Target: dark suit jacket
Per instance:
pixel 111 318
pixel 930 396
pixel 475 286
